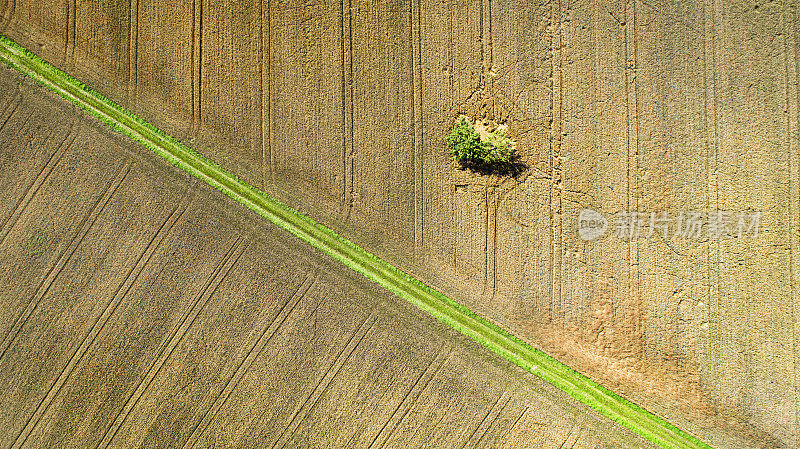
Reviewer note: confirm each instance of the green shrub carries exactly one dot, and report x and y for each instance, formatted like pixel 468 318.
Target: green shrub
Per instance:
pixel 465 143
pixel 501 147
pixel 467 146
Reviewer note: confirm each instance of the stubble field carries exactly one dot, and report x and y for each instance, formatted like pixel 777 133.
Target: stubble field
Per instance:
pixel 146 309
pixel 340 109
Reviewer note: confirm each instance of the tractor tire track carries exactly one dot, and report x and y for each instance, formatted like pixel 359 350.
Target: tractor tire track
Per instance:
pixel 88 340
pixel 164 352
pixel 83 229
pixel 266 334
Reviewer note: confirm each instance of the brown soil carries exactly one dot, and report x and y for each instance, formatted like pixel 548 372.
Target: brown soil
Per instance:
pixel 341 109
pixel 154 311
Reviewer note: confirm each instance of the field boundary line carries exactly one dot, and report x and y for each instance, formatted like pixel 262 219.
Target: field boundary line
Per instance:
pixel 626 413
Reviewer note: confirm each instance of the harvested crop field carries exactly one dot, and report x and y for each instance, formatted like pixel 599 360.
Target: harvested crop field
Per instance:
pixel 146 309
pixel 340 109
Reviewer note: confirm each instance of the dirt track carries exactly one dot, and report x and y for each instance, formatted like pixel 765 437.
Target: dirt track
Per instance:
pixel 618 106
pixel 146 309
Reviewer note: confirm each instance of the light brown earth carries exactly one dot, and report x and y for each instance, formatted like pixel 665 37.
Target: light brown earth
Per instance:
pixel 341 108
pixel 142 308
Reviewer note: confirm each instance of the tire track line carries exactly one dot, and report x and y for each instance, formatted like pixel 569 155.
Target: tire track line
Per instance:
pixel 483 89
pixel 177 334
pixel 10 108
pixel 8 13
pixel 629 268
pixel 715 183
pixel 133 50
pixel 412 396
pixel 405 397
pixel 265 336
pixel 556 238
pixel 193 56
pixel 490 53
pixel 269 93
pixel 711 131
pixel 26 120
pixel 83 229
pixel 638 336
pixel 485 418
pixel 569 434
pixel 347 108
pixel 495 202
pixel 493 421
pixel 91 335
pixel 485 248
pixel 37 183
pixel 631 320
pixel 262 129
pixel 792 127
pixel 197 62
pixel 344 78
pixel 12 11
pixel 795 245
pixel 344 104
pixel 198 53
pixel 554 141
pixel 313 398
pixel 69 43
pixel 66 32
pixel 516 421
pixel 74 29
pixel 416 116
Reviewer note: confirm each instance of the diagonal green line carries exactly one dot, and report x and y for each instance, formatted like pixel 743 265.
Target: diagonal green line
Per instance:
pixel 587 391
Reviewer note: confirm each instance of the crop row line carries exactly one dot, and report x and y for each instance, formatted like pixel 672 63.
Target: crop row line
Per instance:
pixel 613 406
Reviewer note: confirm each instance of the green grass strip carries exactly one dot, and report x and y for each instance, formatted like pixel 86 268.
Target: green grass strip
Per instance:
pixel 587 391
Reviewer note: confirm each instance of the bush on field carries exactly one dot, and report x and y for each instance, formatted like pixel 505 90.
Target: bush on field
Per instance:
pixel 467 145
